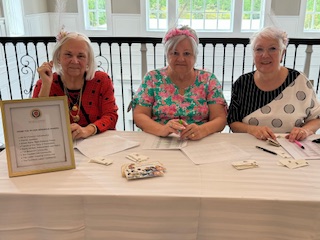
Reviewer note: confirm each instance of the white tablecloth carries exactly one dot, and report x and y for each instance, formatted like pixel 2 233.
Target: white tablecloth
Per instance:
pixel 203 202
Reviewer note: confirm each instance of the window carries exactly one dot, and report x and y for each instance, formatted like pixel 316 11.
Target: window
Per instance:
pixel 157 15
pixel 252 14
pixel 14 18
pixel 312 17
pixel 95 14
pixel 205 15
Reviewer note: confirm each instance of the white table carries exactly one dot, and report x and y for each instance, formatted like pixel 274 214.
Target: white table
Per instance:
pixel 203 202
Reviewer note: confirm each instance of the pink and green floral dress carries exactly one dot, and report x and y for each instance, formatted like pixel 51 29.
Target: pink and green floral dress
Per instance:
pixel 162 95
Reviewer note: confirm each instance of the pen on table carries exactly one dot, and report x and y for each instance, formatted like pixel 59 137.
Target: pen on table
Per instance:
pixel 299 144
pixel 266 150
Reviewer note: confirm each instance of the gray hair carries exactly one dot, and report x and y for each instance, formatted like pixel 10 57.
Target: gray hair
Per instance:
pixel 57 49
pixel 273 33
pixel 171 39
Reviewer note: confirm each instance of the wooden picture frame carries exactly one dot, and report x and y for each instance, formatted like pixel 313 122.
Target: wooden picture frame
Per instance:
pixel 37 135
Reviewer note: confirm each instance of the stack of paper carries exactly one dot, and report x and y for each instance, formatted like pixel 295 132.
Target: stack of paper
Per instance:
pixel 103 146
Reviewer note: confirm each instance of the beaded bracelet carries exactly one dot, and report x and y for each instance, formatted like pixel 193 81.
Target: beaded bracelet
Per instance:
pixel 95 129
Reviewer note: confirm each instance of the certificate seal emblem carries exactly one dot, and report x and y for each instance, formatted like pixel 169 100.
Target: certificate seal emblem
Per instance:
pixel 35 113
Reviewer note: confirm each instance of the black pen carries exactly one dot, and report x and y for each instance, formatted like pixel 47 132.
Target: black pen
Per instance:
pixel 266 150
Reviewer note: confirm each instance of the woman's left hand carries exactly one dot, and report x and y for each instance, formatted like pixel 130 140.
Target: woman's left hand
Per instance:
pixel 80 132
pixel 193 132
pixel 298 134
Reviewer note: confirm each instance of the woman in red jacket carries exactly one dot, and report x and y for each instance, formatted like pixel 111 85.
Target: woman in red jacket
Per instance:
pixel 90 93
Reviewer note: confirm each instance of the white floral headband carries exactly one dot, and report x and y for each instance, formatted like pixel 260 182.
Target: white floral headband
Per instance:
pixel 61 34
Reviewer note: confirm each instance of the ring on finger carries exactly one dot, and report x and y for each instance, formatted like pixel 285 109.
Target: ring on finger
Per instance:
pixel 192 135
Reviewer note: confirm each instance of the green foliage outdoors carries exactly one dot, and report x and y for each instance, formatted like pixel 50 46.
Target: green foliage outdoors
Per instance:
pixel 221 9
pixel 97 12
pixel 212 9
pixel 312 19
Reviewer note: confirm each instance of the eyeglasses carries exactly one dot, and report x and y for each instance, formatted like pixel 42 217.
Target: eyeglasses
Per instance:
pixel 260 51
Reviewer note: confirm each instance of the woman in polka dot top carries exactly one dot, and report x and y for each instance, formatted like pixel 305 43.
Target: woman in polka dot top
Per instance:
pixel 273 99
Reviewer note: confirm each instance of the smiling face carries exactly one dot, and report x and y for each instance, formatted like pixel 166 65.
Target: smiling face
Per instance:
pixel 267 55
pixel 182 59
pixel 74 58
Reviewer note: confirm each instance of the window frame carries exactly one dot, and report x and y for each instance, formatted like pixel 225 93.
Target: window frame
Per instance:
pixel 302 15
pixel 147 13
pixel 95 32
pixel 218 20
pixel 14 18
pixel 235 31
pixel 304 19
pixel 251 12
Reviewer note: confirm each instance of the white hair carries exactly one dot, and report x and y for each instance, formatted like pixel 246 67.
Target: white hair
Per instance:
pixel 273 33
pixel 91 68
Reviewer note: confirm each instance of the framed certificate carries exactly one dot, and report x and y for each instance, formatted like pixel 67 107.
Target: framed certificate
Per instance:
pixel 37 135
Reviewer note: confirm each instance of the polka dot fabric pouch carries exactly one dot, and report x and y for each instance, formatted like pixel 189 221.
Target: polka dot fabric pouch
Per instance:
pixel 133 171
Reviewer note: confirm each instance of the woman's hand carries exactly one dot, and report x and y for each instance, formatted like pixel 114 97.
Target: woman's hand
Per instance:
pixel 81 132
pixel 262 133
pixel 46 75
pixel 193 132
pixel 172 126
pixel 45 72
pixel 298 134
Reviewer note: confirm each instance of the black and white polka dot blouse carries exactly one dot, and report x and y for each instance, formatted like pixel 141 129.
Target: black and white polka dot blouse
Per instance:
pixel 292 104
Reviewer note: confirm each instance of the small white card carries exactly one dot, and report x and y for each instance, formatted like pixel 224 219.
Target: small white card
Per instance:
pixel 101 160
pixel 245 164
pixel 136 157
pixel 293 163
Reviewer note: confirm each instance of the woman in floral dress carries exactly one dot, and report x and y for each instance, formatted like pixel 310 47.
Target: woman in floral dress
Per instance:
pixel 179 98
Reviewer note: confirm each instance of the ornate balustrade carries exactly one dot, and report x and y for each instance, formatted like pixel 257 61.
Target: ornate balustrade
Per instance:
pixel 128 59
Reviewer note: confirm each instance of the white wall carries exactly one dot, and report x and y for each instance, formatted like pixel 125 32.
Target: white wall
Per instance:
pixel 128 19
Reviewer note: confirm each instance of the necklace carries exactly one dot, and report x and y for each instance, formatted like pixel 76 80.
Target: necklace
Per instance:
pixel 74 106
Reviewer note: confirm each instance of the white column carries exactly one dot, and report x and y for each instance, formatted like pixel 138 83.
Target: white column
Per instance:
pixel 144 63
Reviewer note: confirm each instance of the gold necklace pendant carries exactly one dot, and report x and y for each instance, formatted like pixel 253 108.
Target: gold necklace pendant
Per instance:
pixel 74 108
pixel 76 118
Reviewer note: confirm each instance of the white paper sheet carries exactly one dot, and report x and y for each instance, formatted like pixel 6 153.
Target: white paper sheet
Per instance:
pixel 170 142
pixel 311 150
pixel 209 153
pixel 103 146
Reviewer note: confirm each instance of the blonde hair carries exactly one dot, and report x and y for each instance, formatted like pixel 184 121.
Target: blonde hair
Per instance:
pixel 62 38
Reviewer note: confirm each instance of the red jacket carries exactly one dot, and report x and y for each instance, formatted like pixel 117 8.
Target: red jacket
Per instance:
pixel 98 104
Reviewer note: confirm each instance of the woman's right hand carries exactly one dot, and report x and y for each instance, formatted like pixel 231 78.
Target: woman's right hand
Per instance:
pixel 45 73
pixel 261 132
pixel 173 126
